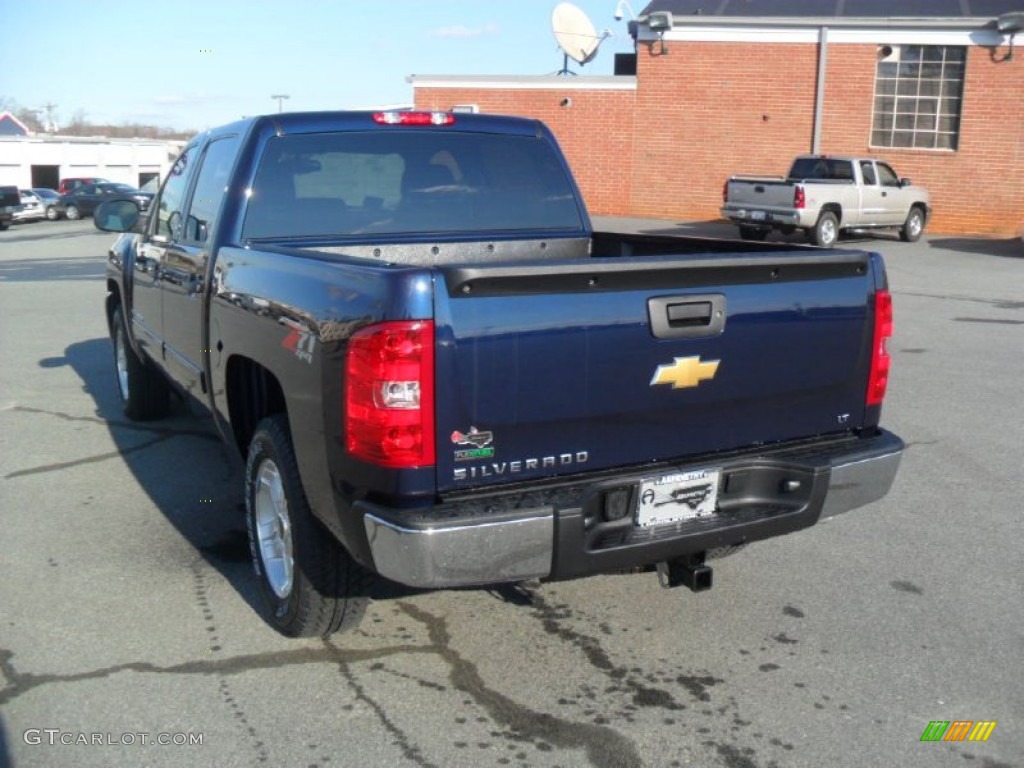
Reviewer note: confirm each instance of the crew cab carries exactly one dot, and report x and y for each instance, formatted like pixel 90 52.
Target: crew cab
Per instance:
pixel 824 195
pixel 436 371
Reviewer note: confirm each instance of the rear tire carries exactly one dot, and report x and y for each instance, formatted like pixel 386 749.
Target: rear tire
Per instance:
pixel 913 227
pixel 753 233
pixel 311 586
pixel 143 389
pixel 826 232
pixel 52 214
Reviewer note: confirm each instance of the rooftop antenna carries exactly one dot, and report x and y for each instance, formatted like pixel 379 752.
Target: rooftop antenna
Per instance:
pixel 575 35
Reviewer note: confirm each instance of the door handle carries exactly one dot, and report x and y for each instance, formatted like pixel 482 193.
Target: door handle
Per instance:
pixel 693 314
pixel 686 317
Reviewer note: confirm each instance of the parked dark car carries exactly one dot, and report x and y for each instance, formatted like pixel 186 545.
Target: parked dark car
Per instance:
pixel 82 201
pixel 52 203
pixel 67 186
pixel 10 204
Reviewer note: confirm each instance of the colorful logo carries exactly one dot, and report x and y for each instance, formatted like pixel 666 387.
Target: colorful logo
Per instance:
pixel 958 730
pixel 479 442
pixel 685 372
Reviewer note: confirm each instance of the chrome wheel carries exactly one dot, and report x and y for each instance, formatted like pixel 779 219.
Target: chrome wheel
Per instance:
pixel 72 212
pixel 827 231
pixel 51 213
pixel 914 225
pixel 273 529
pixel 121 360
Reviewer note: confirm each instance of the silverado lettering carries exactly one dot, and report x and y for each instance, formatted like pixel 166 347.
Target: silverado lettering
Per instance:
pixel 515 467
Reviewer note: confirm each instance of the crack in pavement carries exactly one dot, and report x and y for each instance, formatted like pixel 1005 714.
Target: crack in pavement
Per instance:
pixel 94 459
pixel 605 747
pixel 402 741
pixel 130 425
pixel 162 434
pixel 19 683
pixel 643 695
pixel 227 695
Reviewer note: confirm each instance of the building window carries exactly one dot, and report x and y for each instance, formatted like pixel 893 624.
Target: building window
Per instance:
pixel 918 93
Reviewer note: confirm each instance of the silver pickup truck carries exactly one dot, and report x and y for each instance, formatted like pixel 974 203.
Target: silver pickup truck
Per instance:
pixel 823 195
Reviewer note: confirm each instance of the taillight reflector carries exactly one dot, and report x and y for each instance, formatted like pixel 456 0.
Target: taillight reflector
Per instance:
pixel 389 394
pixel 880 360
pixel 413 118
pixel 725 191
pixel 799 198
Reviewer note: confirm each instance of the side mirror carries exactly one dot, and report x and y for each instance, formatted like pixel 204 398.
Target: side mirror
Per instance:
pixel 118 216
pixel 906 183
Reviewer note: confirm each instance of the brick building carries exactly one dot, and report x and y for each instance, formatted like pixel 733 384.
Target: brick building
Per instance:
pixel 716 91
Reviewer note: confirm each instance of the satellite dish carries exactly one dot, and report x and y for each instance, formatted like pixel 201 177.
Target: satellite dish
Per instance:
pixel 575 35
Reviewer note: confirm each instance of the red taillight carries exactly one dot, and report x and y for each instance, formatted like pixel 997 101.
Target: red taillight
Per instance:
pixel 389 394
pixel 413 118
pixel 799 198
pixel 880 360
pixel 725 192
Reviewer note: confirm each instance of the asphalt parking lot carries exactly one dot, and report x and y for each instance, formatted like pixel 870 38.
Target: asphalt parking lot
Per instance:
pixel 130 631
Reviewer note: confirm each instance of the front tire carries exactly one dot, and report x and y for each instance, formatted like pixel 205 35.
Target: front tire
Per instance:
pixel 73 213
pixel 826 232
pixel 52 214
pixel 311 586
pixel 143 389
pixel 913 227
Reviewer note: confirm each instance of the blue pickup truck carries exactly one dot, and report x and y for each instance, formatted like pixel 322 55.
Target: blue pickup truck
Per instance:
pixel 437 372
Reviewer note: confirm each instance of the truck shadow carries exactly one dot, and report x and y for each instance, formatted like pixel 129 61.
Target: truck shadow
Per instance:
pixel 189 474
pixel 1011 247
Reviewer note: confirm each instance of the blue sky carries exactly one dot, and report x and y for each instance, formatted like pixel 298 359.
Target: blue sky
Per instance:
pixel 187 64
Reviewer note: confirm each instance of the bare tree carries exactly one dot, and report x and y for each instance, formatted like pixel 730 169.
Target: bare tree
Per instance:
pixel 79 124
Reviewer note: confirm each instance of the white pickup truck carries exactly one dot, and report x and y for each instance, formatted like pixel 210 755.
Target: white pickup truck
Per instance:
pixel 823 195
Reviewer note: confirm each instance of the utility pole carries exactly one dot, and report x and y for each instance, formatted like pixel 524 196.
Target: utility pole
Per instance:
pixel 280 100
pixel 50 126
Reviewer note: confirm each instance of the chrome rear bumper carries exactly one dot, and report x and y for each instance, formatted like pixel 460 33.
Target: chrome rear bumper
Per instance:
pixel 429 552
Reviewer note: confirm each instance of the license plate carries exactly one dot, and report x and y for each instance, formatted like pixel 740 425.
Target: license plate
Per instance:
pixel 758 215
pixel 677 497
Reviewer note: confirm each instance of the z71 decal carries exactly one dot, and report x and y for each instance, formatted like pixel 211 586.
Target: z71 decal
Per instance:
pixel 300 344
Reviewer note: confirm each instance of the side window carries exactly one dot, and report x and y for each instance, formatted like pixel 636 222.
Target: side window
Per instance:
pixel 841 170
pixel 888 176
pixel 210 188
pixel 867 170
pixel 172 196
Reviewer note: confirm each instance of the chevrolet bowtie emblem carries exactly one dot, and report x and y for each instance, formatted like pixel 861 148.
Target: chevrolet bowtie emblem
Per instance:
pixel 685 372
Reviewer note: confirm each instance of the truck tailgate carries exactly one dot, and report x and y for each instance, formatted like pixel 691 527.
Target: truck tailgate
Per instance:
pixel 570 367
pixel 761 193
